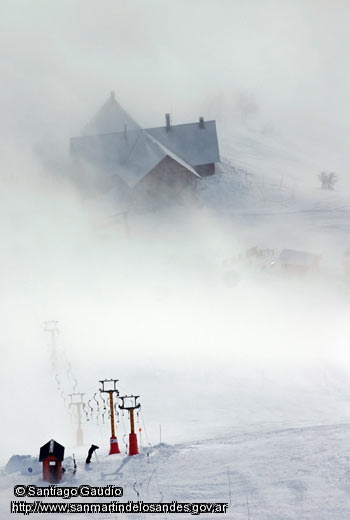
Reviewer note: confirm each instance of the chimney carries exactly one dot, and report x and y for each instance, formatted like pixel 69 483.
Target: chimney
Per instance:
pixel 112 96
pixel 201 122
pixel 167 122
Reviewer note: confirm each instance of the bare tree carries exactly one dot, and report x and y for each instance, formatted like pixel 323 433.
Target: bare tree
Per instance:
pixel 332 179
pixel 328 180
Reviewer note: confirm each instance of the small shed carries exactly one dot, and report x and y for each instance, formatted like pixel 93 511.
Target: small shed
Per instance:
pixel 52 455
pixel 298 261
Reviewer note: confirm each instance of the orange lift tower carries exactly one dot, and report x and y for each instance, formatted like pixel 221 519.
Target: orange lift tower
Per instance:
pixel 109 387
pixel 129 402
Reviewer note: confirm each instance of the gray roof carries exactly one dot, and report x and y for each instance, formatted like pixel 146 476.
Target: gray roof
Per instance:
pixel 130 155
pixel 111 117
pixel 115 144
pixel 194 144
pixel 171 154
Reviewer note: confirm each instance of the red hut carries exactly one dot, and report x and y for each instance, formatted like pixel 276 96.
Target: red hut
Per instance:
pixel 52 455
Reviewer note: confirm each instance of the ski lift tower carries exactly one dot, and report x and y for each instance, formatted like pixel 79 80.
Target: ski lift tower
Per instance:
pixel 108 386
pixel 51 326
pixel 129 402
pixel 76 399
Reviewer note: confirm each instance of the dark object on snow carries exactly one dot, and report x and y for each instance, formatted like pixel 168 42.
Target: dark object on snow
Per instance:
pixel 52 455
pixel 90 452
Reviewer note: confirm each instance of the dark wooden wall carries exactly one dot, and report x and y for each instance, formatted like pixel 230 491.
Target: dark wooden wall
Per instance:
pixel 168 179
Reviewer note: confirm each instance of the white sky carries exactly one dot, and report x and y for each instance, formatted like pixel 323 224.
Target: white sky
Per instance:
pixel 59 61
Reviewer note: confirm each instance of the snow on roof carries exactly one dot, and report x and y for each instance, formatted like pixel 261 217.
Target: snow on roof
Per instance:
pixel 173 155
pixel 114 143
pixel 130 155
pixel 194 144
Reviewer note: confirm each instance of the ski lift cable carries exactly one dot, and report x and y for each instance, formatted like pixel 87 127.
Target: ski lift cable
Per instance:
pixel 159 490
pixel 144 427
pixel 91 388
pixel 104 408
pixel 97 408
pixel 135 484
pixel 138 491
pixel 123 423
pixel 161 494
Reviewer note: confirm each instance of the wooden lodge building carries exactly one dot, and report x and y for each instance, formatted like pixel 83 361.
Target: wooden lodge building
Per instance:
pixel 115 153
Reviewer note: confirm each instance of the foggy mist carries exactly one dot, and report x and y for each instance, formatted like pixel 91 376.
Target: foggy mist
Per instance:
pixel 149 303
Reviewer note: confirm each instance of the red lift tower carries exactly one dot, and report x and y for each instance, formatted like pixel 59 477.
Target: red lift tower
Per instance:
pixel 129 402
pixel 109 387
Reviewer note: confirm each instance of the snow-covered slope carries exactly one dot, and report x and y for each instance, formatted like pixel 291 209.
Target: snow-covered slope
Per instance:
pixel 248 380
pixel 282 473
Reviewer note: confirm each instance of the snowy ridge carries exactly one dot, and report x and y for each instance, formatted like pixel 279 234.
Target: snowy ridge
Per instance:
pixel 276 474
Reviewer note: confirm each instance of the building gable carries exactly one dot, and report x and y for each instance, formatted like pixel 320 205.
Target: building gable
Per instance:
pixel 111 117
